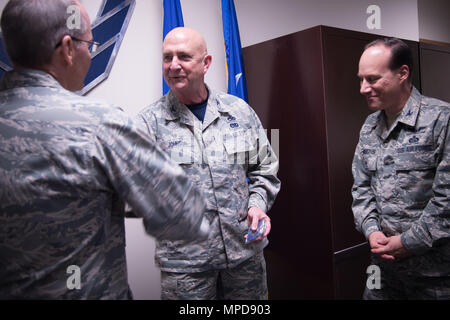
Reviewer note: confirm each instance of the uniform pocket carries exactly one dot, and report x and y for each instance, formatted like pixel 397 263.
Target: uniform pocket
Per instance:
pixel 239 145
pixel 371 164
pixel 239 141
pixel 415 175
pixel 415 161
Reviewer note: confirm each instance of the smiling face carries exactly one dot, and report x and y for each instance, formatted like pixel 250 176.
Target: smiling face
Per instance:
pixel 380 85
pixel 185 61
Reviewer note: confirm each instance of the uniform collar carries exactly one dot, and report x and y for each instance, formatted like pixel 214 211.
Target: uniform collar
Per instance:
pixel 411 109
pixel 408 116
pixel 28 78
pixel 175 109
pixel 178 110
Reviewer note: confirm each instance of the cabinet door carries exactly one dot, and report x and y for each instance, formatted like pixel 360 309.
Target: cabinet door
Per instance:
pixel 346 111
pixel 285 87
pixel 435 71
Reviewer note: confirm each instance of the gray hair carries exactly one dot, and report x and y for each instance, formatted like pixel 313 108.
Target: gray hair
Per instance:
pixel 33 28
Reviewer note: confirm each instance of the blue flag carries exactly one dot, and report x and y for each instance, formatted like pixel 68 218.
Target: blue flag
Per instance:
pixel 173 18
pixel 235 64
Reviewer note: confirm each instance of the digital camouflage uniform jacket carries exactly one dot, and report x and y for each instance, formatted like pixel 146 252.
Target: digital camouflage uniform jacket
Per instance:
pixel 218 155
pixel 401 182
pixel 67 165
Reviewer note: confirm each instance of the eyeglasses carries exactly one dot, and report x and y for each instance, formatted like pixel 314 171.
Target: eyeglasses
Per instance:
pixel 93 45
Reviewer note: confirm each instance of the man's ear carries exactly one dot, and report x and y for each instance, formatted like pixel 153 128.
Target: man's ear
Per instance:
pixel 404 72
pixel 66 50
pixel 207 62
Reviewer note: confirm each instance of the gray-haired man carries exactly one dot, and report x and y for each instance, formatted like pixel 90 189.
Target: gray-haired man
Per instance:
pixel 68 165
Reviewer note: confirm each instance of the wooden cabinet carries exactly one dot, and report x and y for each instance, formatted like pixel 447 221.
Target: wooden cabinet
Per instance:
pixel 305 84
pixel 435 70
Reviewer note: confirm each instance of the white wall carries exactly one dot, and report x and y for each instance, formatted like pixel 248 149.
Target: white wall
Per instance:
pixel 135 79
pixel 260 20
pixel 139 57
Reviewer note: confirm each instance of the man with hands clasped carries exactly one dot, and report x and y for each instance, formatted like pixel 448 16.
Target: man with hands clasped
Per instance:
pixel 401 171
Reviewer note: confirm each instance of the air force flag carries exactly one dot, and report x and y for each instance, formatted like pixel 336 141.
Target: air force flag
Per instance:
pixel 235 66
pixel 173 18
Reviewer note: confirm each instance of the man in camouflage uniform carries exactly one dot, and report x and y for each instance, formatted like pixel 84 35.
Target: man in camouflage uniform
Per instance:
pixel 401 175
pixel 220 143
pixel 67 166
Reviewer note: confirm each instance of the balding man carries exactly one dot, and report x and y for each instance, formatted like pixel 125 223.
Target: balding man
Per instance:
pixel 68 164
pixel 220 143
pixel 401 175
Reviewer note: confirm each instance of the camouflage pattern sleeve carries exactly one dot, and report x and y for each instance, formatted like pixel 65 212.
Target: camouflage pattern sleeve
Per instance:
pixel 154 187
pixel 364 201
pixel 262 171
pixel 434 223
pixel 147 126
pixel 67 166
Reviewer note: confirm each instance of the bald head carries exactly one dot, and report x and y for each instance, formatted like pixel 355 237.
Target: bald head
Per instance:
pixel 185 63
pixel 384 89
pixel 191 37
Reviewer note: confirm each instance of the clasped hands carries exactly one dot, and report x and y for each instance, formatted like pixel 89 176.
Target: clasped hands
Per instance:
pixel 388 248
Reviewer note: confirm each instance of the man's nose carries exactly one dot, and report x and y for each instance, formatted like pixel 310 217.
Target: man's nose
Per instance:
pixel 174 64
pixel 364 87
